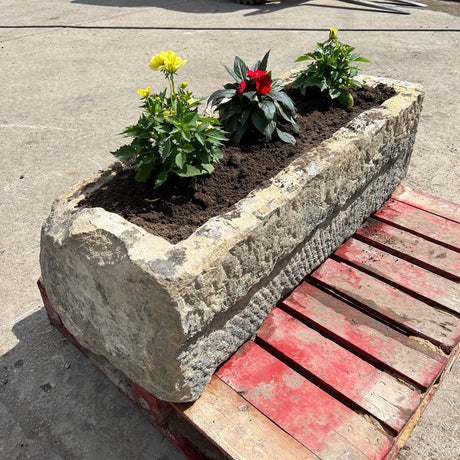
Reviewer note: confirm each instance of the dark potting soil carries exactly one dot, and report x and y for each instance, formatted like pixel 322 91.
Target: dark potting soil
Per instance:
pixel 179 207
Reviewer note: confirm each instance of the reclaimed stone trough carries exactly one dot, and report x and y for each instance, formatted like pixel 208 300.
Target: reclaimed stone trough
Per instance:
pixel 167 315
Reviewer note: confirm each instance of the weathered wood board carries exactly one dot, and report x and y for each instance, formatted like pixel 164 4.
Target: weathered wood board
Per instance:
pixel 414 220
pixel 428 203
pixel 310 415
pixel 377 342
pixel 410 278
pixel 415 249
pixel 335 368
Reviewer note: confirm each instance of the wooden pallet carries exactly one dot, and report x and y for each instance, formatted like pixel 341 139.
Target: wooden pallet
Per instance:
pixel 345 365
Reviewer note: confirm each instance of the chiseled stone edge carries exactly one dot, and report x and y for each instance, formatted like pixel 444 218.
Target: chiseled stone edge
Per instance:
pixel 224 252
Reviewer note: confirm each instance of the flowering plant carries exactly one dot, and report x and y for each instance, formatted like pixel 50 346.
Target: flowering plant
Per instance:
pixel 254 99
pixel 331 69
pixel 170 136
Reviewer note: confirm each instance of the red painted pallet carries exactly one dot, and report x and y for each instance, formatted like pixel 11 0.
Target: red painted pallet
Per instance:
pixel 345 365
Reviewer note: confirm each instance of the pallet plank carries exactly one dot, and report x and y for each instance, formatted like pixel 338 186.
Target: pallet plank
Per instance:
pixel 339 370
pixel 427 202
pixel 416 317
pixel 238 428
pixel 365 335
pixel 422 284
pixel 310 415
pixel 424 224
pixel 400 243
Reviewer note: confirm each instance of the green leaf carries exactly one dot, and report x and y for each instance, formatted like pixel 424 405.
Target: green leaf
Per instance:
pixel 164 149
pixel 161 178
pixel 218 96
pixel 346 99
pixel 264 62
pixel 189 171
pixel 180 159
pixel 285 137
pixel 334 93
pixel 258 120
pixel 240 68
pixel 124 152
pixel 144 172
pixel 199 137
pixel 238 135
pixel 282 97
pixel 268 108
pixel 305 57
pixel 209 168
pixel 188 148
pixel 232 73
pixel 269 129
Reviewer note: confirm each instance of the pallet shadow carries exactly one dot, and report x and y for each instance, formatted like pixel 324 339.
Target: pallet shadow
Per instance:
pixel 57 405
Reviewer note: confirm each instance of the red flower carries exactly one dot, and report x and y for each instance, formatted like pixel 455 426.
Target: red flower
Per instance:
pixel 241 88
pixel 256 74
pixel 264 84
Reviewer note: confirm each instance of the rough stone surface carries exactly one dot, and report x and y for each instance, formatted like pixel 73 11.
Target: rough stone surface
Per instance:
pixel 167 315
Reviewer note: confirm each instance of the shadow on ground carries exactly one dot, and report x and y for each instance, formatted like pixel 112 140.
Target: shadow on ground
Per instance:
pixel 52 398
pixel 220 6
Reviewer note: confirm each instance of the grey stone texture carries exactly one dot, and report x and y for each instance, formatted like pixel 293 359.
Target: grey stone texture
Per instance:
pixel 167 315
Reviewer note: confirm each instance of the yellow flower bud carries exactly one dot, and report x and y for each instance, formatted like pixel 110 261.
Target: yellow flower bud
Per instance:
pixel 332 33
pixel 184 84
pixel 144 92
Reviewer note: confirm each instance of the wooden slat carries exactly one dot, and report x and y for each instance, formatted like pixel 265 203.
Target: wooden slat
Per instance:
pixel 310 415
pixel 239 429
pixel 387 302
pixel 428 202
pixel 400 243
pixel 338 370
pixel 365 335
pixel 422 284
pixel 421 223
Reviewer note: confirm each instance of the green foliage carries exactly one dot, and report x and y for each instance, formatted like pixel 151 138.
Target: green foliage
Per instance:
pixel 331 69
pixel 171 137
pixel 255 101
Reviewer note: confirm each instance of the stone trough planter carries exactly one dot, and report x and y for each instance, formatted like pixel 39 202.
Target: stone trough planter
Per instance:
pixel 167 315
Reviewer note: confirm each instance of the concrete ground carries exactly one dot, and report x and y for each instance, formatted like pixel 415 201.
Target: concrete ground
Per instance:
pixel 69 74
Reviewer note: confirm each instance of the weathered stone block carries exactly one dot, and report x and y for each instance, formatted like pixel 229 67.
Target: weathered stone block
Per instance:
pixel 167 315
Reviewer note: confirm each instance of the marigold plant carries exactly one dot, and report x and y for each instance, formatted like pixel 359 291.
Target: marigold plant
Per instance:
pixel 171 137
pixel 331 69
pixel 254 102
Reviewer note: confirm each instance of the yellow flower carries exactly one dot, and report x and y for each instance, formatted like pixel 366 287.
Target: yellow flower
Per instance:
pixel 144 92
pixel 192 100
pixel 167 61
pixel 332 33
pixel 157 62
pixel 184 84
